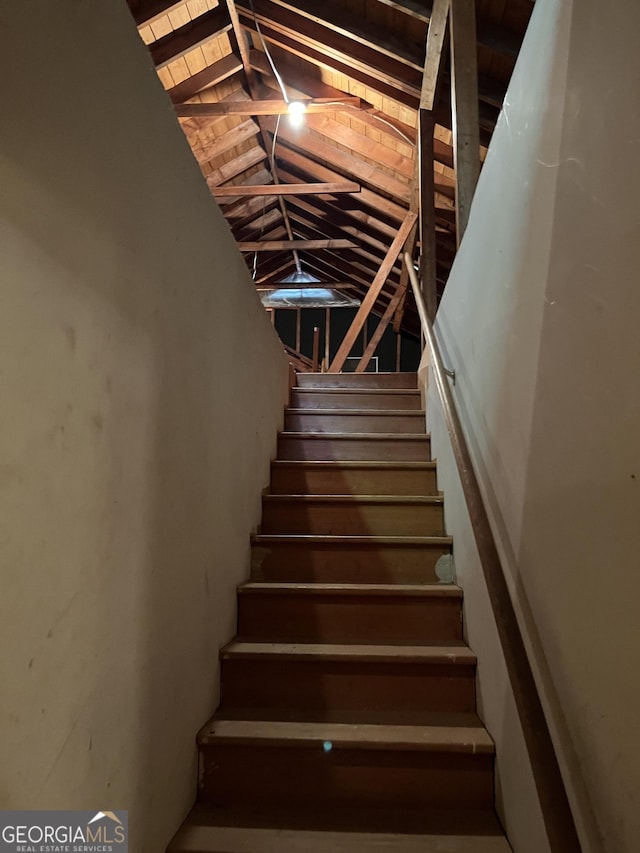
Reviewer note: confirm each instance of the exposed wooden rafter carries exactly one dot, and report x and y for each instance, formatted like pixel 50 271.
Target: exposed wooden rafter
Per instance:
pixel 262 107
pixel 293 245
pixel 318 45
pixel 211 75
pixel 288 189
pixel 189 36
pixel 342 184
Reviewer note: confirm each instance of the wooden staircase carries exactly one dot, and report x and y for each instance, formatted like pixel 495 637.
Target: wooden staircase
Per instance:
pixel 347 719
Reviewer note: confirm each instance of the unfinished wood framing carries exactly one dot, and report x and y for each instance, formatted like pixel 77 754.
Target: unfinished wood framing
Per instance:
pixel 372 294
pixel 428 275
pixel 426 126
pixel 288 189
pixel 209 76
pixel 464 108
pixel 327 332
pixel 299 245
pixel 190 35
pixel 262 107
pixel 365 80
pixel 255 96
pixel 381 328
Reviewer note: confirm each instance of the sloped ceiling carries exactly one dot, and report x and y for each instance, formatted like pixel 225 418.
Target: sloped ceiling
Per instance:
pixel 359 66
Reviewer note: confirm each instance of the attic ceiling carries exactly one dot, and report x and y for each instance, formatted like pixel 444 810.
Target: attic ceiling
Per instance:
pixel 349 170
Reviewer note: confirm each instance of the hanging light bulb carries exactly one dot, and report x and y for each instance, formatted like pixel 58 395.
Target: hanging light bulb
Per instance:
pixel 296 110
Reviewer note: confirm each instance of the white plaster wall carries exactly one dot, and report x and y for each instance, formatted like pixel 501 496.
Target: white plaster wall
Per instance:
pixel 141 387
pixel 540 322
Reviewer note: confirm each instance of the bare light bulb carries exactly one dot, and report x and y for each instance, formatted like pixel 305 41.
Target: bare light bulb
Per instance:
pixel 296 110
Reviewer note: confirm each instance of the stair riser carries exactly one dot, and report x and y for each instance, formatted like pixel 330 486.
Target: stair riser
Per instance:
pixel 234 774
pixel 340 399
pixel 297 562
pixel 316 422
pixel 354 449
pixel 300 618
pixel 349 520
pixel 357 380
pixel 347 686
pixel 314 481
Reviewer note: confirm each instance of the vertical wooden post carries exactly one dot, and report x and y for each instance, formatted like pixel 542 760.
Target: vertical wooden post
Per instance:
pixel 428 98
pixel 409 247
pixel 464 108
pixel 427 212
pixel 327 332
pixel 316 347
pixel 298 325
pixel 398 351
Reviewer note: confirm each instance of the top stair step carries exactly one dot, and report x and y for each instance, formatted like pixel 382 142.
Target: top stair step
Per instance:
pixel 357 380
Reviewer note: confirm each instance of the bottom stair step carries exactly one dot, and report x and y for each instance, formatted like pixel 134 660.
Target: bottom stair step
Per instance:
pixel 209 830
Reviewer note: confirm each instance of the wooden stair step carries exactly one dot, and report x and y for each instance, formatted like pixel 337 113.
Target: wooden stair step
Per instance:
pixel 370 398
pixel 341 446
pixel 343 478
pixel 346 590
pixel 399 515
pixel 355 420
pixel 348 677
pixel 350 613
pixel 363 716
pixel 472 739
pixel 334 763
pixel 360 411
pixel 347 559
pixel 211 830
pixel 361 653
pixel 357 380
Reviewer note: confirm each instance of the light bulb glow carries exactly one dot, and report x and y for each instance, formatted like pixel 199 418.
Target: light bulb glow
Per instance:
pixel 296 110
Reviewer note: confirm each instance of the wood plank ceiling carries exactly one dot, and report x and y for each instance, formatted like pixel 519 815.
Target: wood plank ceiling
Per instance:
pixel 359 66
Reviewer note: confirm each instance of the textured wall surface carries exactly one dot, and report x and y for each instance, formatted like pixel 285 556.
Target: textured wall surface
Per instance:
pixel 539 321
pixel 141 387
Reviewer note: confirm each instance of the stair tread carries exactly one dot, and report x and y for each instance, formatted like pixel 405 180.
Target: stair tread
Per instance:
pixel 468 739
pixel 360 652
pixel 373 436
pixel 417 413
pixel 364 391
pixel 356 499
pixel 358 716
pixel 209 830
pixel 349 589
pixel 265 538
pixel 350 465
